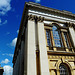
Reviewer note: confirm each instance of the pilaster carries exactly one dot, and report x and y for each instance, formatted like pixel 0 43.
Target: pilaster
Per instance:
pixel 72 32
pixel 31 53
pixel 42 48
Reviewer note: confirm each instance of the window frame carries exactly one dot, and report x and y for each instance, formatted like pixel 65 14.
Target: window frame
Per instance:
pixel 49 38
pixel 63 69
pixel 61 35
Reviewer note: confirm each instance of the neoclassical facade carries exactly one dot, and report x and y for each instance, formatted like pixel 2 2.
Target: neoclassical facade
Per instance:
pixel 45 43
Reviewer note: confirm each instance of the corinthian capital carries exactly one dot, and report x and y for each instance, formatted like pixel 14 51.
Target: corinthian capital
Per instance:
pixel 35 17
pixel 69 24
pixel 31 17
pixel 40 19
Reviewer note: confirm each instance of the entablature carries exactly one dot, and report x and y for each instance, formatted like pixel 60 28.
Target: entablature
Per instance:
pixel 51 16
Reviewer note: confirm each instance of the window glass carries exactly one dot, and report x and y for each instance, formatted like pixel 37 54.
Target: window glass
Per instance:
pixel 65 36
pixel 56 36
pixel 48 37
pixel 63 69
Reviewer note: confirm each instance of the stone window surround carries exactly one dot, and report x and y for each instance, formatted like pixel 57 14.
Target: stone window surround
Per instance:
pixel 62 29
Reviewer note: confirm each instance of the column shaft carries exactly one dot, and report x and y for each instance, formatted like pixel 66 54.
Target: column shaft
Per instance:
pixel 31 53
pixel 72 33
pixel 43 51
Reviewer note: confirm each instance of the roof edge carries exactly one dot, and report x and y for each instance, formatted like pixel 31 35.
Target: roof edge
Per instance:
pixel 36 5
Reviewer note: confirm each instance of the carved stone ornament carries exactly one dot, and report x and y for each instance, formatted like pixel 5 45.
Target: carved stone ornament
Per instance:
pixel 31 17
pixel 40 19
pixel 59 57
pixel 70 24
pixel 37 18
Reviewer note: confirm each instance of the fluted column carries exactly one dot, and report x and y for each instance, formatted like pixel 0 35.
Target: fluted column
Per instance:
pixel 44 67
pixel 31 51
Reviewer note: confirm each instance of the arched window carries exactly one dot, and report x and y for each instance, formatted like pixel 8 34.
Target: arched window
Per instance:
pixel 57 36
pixel 63 69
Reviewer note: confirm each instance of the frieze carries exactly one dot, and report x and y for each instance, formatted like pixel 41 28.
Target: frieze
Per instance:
pixel 59 57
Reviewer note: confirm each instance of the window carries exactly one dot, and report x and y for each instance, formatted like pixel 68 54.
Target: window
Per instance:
pixel 63 69
pixel 65 36
pixel 56 36
pixel 48 37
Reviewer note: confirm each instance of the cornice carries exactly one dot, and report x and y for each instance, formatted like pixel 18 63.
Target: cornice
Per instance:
pixel 38 6
pixel 50 16
pixel 41 19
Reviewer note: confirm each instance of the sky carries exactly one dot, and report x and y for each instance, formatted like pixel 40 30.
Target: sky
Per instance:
pixel 10 19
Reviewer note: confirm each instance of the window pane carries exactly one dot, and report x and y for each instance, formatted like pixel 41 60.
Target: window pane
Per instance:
pixel 65 36
pixel 56 37
pixel 63 69
pixel 57 43
pixel 48 37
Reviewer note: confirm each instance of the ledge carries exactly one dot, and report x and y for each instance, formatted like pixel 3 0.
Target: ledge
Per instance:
pixel 60 53
pixel 36 5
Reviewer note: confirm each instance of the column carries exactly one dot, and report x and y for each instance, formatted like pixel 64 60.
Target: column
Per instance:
pixel 72 33
pixel 43 51
pixel 31 53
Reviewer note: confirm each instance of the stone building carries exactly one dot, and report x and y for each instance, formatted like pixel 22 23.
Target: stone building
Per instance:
pixel 1 70
pixel 45 43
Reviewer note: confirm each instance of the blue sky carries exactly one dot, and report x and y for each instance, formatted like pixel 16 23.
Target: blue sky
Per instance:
pixel 10 18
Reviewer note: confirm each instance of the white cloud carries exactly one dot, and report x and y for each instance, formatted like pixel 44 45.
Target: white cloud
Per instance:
pixel 37 1
pixel 13 43
pixel 5 6
pixel 11 55
pixel 7 70
pixel 17 31
pixel 5 61
pixel 2 23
